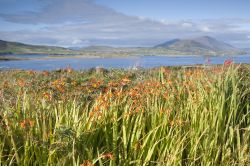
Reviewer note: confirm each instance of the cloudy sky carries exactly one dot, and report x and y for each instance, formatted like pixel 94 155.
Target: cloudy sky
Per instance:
pixel 77 23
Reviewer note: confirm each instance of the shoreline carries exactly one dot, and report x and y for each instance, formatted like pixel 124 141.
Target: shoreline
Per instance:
pixel 18 57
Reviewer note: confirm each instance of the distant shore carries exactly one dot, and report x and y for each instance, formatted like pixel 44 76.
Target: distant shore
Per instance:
pixel 29 56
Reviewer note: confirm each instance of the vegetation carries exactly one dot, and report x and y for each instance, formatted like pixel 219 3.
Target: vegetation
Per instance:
pixel 207 46
pixel 163 116
pixel 20 48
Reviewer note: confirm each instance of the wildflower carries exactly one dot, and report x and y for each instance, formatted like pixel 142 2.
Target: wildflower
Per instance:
pixel 74 83
pixel 96 108
pixel 165 111
pixel 108 156
pixel 59 85
pixel 118 93
pixel 47 96
pixel 177 122
pixel 113 84
pixel 26 123
pixel 61 89
pixel 126 80
pixel 86 163
pixel 31 72
pixel 169 82
pixel 228 62
pixel 21 83
pixel 91 114
pixel 45 73
pixel 5 84
pixel 109 94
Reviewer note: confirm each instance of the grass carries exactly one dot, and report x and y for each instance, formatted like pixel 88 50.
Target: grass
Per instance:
pixel 163 116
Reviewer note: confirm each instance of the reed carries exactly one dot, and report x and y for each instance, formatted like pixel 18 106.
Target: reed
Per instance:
pixel 163 116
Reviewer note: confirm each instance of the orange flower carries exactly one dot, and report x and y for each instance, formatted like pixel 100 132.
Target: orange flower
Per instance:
pixel 94 85
pixel 45 73
pixel 59 85
pixel 86 163
pixel 31 72
pixel 5 84
pixel 47 96
pixel 108 156
pixel 60 89
pixel 26 123
pixel 169 82
pixel 119 93
pixel 21 83
pixel 126 80
pixel 112 84
pixel 110 94
pixel 96 108
pixel 177 122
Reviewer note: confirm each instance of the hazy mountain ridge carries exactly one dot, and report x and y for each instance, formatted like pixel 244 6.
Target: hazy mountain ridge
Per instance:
pixel 20 48
pixel 246 49
pixel 197 46
pixel 201 43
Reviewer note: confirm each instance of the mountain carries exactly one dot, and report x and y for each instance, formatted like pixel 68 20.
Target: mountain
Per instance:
pixel 7 47
pixel 204 43
pixel 98 48
pixel 197 46
pixel 246 49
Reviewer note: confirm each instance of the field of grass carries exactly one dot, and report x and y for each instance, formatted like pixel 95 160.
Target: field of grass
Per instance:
pixel 164 116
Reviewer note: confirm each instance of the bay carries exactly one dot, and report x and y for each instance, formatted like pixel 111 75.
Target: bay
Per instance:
pixel 38 62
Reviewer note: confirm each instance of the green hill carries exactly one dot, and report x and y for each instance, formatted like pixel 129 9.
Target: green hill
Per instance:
pixel 20 48
pixel 201 44
pixel 197 46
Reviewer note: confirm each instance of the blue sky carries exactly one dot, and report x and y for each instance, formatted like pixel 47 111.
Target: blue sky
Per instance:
pixel 181 9
pixel 77 23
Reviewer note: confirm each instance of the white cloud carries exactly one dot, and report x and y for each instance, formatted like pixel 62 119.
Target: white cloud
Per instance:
pixel 76 41
pixel 205 29
pixel 82 22
pixel 167 22
pixel 187 24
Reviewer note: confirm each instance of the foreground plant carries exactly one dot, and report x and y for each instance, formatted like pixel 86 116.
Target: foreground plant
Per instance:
pixel 165 116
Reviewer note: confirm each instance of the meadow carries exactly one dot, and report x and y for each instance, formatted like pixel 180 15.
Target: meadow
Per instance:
pixel 160 116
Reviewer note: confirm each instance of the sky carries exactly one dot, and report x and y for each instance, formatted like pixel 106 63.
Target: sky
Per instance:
pixel 123 23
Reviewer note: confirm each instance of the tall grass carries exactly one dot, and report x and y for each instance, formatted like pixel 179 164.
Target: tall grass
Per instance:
pixel 166 116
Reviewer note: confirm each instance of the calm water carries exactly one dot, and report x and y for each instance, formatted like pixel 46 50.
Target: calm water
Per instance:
pixel 126 62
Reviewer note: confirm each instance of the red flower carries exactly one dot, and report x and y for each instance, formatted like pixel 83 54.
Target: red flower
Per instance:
pixel 228 62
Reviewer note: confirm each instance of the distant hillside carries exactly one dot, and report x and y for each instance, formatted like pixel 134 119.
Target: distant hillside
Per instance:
pixel 98 48
pixel 20 48
pixel 246 49
pixel 198 46
pixel 204 43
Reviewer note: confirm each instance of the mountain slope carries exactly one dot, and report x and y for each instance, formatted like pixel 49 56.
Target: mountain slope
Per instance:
pixel 204 43
pixel 20 48
pixel 168 43
pixel 214 44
